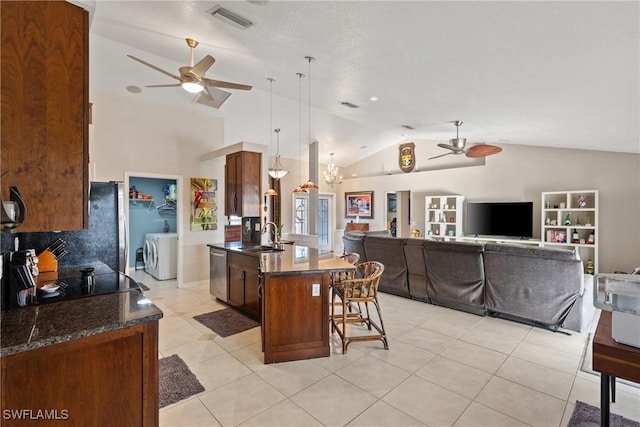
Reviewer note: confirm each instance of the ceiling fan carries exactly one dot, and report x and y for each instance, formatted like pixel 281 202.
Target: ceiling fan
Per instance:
pixel 457 145
pixel 192 80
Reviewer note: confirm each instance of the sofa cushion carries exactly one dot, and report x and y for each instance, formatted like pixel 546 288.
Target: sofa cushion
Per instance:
pixel 538 284
pixel 455 274
pixel 389 251
pixel 353 241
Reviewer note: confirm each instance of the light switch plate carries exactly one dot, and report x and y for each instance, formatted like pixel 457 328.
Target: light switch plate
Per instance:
pixel 315 290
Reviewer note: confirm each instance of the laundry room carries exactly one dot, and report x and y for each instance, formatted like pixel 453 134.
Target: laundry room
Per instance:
pixel 152 226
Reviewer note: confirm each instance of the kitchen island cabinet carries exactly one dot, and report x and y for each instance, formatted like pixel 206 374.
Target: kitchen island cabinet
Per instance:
pixel 295 302
pixel 243 282
pixel 45 111
pixel 90 361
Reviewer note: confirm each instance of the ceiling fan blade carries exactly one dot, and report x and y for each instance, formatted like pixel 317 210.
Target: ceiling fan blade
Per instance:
pixel 228 85
pixel 441 155
pixel 483 150
pixel 154 67
pixel 201 67
pixel 211 97
pixel 447 146
pixel 173 85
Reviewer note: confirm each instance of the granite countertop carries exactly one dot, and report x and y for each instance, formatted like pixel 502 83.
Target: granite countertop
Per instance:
pixel 301 259
pixel 39 326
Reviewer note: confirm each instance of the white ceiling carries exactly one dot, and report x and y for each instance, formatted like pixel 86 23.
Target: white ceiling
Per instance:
pixel 543 73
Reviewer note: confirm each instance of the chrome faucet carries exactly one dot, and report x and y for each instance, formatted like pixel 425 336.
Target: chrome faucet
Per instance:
pixel 276 231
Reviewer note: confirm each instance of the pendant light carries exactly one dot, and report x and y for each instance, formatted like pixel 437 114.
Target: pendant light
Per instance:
pixel 299 188
pixel 309 184
pixel 276 172
pixel 271 191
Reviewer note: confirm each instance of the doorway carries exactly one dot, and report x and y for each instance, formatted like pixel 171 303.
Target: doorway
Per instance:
pixel 154 206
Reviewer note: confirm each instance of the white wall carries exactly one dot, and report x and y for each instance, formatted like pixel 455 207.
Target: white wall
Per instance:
pixel 519 173
pixel 132 134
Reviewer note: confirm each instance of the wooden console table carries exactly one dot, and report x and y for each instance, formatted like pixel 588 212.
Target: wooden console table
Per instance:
pixel 356 226
pixel 612 360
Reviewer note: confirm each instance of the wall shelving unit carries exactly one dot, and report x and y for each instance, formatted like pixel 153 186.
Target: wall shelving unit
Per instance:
pixel 570 220
pixel 443 216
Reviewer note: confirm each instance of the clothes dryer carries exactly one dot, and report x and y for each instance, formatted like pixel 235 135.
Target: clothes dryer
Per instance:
pixel 160 253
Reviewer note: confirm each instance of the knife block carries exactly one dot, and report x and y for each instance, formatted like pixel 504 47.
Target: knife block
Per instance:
pixel 47 261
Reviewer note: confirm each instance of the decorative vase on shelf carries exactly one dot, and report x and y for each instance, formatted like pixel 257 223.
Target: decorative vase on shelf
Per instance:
pixel 567 219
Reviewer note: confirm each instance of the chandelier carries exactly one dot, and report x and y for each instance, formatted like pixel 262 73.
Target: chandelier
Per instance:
pixel 331 175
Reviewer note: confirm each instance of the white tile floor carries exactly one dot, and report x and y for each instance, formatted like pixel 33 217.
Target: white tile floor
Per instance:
pixel 443 368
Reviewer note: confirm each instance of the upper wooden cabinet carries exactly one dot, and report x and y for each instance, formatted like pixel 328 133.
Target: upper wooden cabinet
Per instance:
pixel 45 110
pixel 242 184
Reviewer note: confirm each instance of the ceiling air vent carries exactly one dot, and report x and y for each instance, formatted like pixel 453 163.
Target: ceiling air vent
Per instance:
pixel 349 104
pixel 230 17
pixel 408 127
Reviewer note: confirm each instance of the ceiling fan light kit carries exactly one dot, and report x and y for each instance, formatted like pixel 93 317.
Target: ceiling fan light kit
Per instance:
pixel 457 146
pixel 192 79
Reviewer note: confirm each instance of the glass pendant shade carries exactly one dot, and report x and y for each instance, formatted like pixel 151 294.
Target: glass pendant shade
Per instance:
pixel 299 189
pixel 309 184
pixel 277 172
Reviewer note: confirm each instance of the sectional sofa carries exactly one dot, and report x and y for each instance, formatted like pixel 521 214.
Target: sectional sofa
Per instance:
pixel 541 286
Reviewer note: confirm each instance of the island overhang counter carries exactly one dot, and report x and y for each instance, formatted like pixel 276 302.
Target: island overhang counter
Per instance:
pixel 295 293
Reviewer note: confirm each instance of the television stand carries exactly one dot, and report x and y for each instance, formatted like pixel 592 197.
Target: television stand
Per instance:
pixel 500 239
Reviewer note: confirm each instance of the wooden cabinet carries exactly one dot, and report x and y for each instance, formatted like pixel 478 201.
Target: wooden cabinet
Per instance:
pixel 243 274
pixel 45 105
pixel 295 319
pixel 105 379
pixel 232 233
pixel 356 226
pixel 243 184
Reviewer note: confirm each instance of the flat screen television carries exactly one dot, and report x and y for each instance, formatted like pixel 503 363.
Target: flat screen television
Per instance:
pixel 507 219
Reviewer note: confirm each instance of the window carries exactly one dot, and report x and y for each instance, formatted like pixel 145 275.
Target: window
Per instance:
pixel 325 219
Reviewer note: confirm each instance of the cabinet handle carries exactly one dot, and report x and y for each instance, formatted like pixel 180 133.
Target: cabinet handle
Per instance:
pixel 235 202
pixel 243 275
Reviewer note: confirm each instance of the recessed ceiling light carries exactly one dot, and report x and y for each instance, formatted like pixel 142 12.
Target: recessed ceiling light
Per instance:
pixel 134 89
pixel 363 147
pixel 373 99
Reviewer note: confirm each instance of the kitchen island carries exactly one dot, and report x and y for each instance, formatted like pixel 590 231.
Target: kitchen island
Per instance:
pixel 295 297
pixel 86 361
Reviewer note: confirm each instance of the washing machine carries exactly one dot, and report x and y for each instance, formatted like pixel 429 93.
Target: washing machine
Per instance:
pixel 160 254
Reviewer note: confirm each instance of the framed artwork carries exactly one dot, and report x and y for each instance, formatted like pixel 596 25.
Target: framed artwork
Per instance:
pixel 204 208
pixel 358 204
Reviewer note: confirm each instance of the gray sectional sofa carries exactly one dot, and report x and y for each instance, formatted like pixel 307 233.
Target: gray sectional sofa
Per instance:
pixel 542 286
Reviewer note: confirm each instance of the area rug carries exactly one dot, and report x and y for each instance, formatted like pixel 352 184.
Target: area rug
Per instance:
pixel 226 322
pixel 143 286
pixel 176 380
pixel 585 415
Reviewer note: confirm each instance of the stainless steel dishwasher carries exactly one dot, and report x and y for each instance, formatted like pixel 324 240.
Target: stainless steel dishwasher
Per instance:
pixel 218 273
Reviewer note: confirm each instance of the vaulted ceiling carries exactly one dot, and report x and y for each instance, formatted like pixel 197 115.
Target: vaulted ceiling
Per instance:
pixel 542 73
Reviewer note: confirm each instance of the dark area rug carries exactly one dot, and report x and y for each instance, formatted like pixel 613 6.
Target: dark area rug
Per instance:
pixel 176 380
pixel 226 322
pixel 585 415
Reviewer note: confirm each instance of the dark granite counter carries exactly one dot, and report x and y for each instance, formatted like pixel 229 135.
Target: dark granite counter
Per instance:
pixel 301 259
pixel 39 326
pixel 293 259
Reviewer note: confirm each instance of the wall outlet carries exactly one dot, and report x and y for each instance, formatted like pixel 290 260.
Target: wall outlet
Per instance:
pixel 315 290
